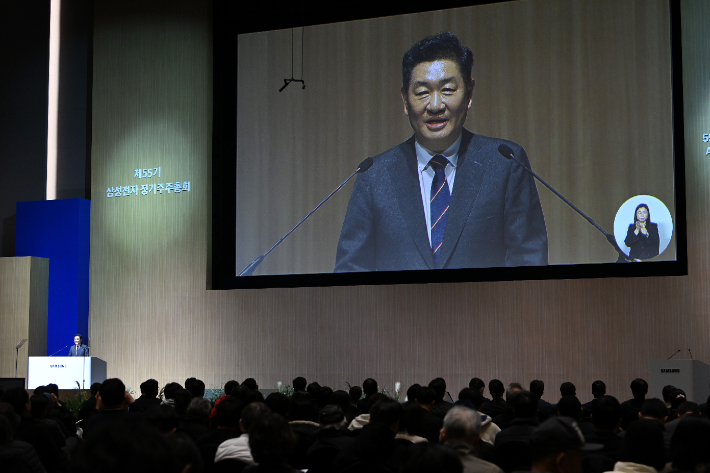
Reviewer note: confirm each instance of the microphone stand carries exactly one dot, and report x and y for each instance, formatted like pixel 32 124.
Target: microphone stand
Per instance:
pixel 507 152
pixel 17 353
pixel 249 270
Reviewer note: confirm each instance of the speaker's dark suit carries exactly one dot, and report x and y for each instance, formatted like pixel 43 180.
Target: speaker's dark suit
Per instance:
pixel 495 217
pixel 82 350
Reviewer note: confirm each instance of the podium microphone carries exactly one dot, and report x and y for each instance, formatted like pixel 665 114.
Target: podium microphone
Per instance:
pixel 507 152
pixel 674 354
pixel 691 353
pixel 362 167
pixel 59 350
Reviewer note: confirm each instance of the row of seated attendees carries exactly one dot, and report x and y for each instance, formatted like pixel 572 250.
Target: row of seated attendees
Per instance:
pixel 320 430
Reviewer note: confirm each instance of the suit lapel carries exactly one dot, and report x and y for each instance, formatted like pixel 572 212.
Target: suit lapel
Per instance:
pixel 469 175
pixel 405 181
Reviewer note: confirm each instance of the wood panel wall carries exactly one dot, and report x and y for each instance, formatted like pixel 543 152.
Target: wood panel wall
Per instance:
pixel 151 315
pixel 23 311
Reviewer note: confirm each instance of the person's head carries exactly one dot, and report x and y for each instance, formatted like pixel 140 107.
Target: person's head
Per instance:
pixel 437 89
pixel 313 388
pixel 667 390
pixel 271 440
pixel 200 408
pixel 162 417
pixel 355 393
pixel 474 396
pixel 598 389
pixel 557 446
pixel 149 388
pixel 332 417
pixel 252 413
pixel 643 443
pixel 387 412
pixel 251 384
pixel 426 397
pixel 525 405
pixel 688 407
pixel 639 388
pixel 461 424
pixel 112 393
pixel 677 397
pixel 496 388
pixel 424 457
pixel 278 403
pixel 342 399
pixel 413 419
pixel 303 408
pixel 52 389
pixel 229 386
pixel 439 387
pixel 94 388
pixel 607 414
pixel 537 387
pixel 642 214
pixel 477 384
pixel 8 412
pixel 77 339
pixel 39 404
pixel 182 399
pixel 512 392
pixel 413 391
pixel 369 387
pixel 568 389
pixel 570 406
pixel 654 409
pixel 299 383
pixel 18 398
pixel 322 395
pixel 689 444
pixel 195 386
pixel 169 390
pixel 229 411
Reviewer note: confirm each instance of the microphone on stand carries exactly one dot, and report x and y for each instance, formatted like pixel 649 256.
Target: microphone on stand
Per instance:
pixel 507 152
pixel 362 167
pixel 59 350
pixel 674 354
pixel 691 353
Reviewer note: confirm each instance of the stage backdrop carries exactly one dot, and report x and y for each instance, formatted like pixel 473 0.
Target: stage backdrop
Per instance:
pixel 153 315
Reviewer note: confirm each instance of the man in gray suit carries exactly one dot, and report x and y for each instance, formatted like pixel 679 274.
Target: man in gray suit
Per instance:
pixel 405 213
pixel 78 349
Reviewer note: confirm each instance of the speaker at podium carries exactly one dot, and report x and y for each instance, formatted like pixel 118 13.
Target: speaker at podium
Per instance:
pixel 692 376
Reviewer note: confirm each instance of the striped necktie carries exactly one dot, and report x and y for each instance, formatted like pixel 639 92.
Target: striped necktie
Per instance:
pixel 439 203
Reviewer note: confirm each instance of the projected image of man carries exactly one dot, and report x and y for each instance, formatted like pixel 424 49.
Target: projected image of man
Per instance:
pixel 445 198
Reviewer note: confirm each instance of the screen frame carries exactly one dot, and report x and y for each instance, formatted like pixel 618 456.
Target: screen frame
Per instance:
pixel 222 271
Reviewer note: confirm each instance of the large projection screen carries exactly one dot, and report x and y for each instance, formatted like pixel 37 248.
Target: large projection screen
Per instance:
pixel 584 86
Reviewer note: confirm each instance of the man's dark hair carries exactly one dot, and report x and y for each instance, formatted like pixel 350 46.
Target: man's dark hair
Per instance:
pixel 299 383
pixel 112 392
pixel 313 388
pixel 182 399
pixel 355 393
pixel 17 398
pixel 341 399
pixel 413 419
pixel 496 388
pixel 39 404
pixel 229 411
pixel 271 440
pixel 369 387
pixel 375 398
pixel 426 396
pixel 413 391
pixel 278 403
pixel 598 389
pixel 667 390
pixel 250 383
pixel 537 387
pixel 94 388
pixel 331 415
pixel 195 386
pixel 162 417
pixel 654 408
pixel 644 444
pixel 252 413
pixel 568 389
pixel 78 335
pixel 169 390
pixel 476 383
pixel 688 407
pixel 607 413
pixel 677 397
pixel 424 458
pixel 441 46
pixel 474 396
pixel 322 395
pixel 229 386
pixel 689 443
pixel 149 387
pixel 386 411
pixel 569 406
pixel 639 388
pixel 439 387
pixel 512 392
pixel 525 405
pixel 53 389
pixel 302 408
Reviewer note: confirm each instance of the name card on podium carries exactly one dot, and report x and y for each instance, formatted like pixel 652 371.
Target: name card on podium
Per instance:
pixel 65 371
